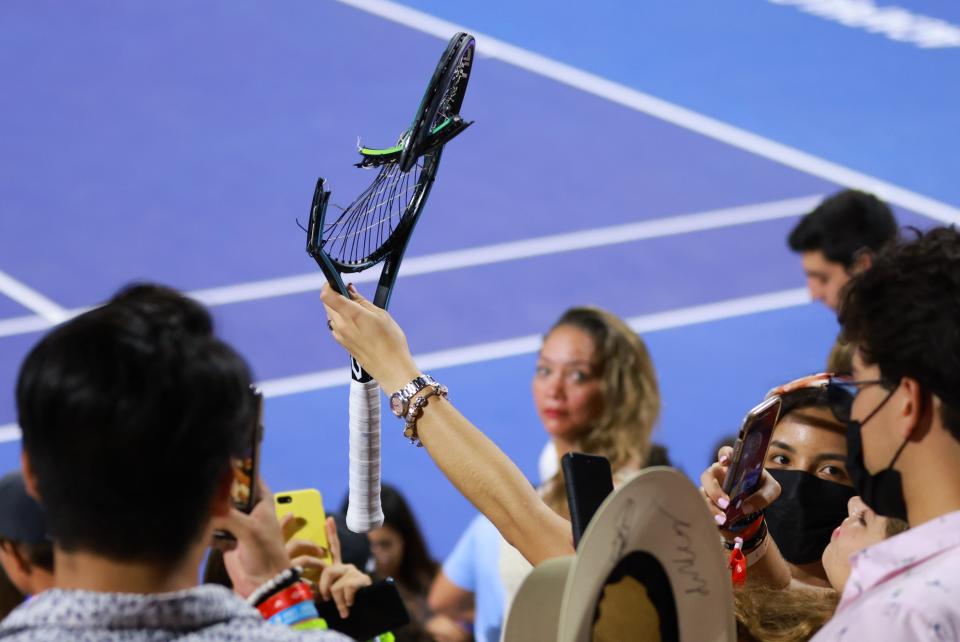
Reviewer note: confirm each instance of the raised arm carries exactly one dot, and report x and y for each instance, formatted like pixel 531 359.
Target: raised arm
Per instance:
pixel 473 463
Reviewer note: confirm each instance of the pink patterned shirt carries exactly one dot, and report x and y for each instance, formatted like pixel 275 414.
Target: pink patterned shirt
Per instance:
pixel 904 588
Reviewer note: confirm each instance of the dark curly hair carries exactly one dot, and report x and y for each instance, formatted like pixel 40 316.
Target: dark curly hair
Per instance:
pixel 904 315
pixel 844 225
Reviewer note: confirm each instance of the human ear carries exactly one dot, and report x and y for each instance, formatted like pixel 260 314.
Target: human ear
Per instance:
pixel 29 479
pixel 915 410
pixel 862 263
pixel 16 557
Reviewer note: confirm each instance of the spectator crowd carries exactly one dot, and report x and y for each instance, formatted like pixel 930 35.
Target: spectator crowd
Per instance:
pixel 120 524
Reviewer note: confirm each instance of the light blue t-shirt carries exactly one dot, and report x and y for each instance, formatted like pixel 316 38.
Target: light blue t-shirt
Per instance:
pixel 474 566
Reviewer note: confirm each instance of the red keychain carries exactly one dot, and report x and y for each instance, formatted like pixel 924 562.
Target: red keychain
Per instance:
pixel 738 564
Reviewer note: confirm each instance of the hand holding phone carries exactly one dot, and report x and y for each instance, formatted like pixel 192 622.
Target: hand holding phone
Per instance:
pixel 749 453
pixel 307 507
pixel 246 467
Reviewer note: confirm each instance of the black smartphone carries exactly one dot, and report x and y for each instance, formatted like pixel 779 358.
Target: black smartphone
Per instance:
pixel 376 609
pixel 246 467
pixel 588 480
pixel 749 453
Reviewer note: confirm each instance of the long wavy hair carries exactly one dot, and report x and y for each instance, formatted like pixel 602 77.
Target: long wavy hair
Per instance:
pixel 789 615
pixel 631 396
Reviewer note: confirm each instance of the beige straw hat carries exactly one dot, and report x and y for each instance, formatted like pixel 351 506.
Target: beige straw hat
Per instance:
pixel 649 567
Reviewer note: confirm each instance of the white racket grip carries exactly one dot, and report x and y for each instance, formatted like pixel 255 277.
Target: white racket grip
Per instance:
pixel 364 512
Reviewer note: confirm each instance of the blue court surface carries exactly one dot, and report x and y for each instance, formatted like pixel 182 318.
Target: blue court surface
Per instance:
pixel 649 158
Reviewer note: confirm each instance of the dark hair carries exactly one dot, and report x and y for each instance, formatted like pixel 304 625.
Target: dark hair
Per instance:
pixel 39 554
pixel 130 413
pixel 417 569
pixel 797 400
pixel 844 225
pixel 903 315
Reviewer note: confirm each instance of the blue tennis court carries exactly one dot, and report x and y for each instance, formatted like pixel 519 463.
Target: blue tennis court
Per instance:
pixel 649 158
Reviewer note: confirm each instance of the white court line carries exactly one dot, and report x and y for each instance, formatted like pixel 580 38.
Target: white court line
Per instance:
pixel 487 254
pixel 531 343
pixel 489 351
pixel 24 325
pixel 686 118
pixel 31 299
pixel 9 432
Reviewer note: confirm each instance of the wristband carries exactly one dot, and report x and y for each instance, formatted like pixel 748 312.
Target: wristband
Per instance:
pixel 284 599
pixel 747 526
pixel 296 613
pixel 761 549
pixel 751 536
pixel 316 624
pixel 280 581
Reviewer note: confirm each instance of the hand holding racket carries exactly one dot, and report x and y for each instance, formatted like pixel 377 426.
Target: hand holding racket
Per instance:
pixel 371 335
pixel 375 228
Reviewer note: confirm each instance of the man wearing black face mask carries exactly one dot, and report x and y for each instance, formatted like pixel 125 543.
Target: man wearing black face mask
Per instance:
pixel 903 315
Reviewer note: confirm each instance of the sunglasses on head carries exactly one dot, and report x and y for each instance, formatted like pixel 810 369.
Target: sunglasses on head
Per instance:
pixel 840 391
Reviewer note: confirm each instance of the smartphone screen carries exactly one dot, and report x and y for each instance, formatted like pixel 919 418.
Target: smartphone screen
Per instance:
pixel 746 466
pixel 243 490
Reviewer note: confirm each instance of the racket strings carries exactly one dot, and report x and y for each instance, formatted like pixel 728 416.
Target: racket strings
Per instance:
pixel 367 223
pixel 445 110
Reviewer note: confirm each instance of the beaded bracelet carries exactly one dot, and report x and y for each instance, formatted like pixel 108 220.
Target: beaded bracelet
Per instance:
pixel 416 411
pixel 280 581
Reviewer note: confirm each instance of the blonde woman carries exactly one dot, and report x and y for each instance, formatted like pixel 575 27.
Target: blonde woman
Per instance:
pixel 595 391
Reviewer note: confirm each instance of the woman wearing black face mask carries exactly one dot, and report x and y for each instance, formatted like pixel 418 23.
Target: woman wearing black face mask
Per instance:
pixel 805 487
pixel 807 457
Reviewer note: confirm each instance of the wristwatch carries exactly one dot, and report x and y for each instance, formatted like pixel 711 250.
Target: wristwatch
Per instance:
pixel 400 400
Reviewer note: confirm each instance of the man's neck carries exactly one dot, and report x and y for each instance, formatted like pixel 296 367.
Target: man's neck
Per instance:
pixel 40 581
pixel 931 480
pixel 91 572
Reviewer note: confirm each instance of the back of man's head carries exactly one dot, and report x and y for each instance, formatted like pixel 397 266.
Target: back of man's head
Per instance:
pixel 903 314
pixel 130 413
pixel 844 225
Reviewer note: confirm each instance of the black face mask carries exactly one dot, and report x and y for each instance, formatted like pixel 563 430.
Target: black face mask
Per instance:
pixel 882 491
pixel 805 515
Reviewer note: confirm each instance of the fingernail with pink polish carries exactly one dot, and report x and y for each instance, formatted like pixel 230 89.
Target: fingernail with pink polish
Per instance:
pixel 724 459
pixel 723 502
pixel 720 519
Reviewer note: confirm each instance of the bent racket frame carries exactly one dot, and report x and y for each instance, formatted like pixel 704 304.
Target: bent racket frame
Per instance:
pixel 376 227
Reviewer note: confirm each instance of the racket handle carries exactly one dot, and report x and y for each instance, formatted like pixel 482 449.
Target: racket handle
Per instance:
pixel 364 512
